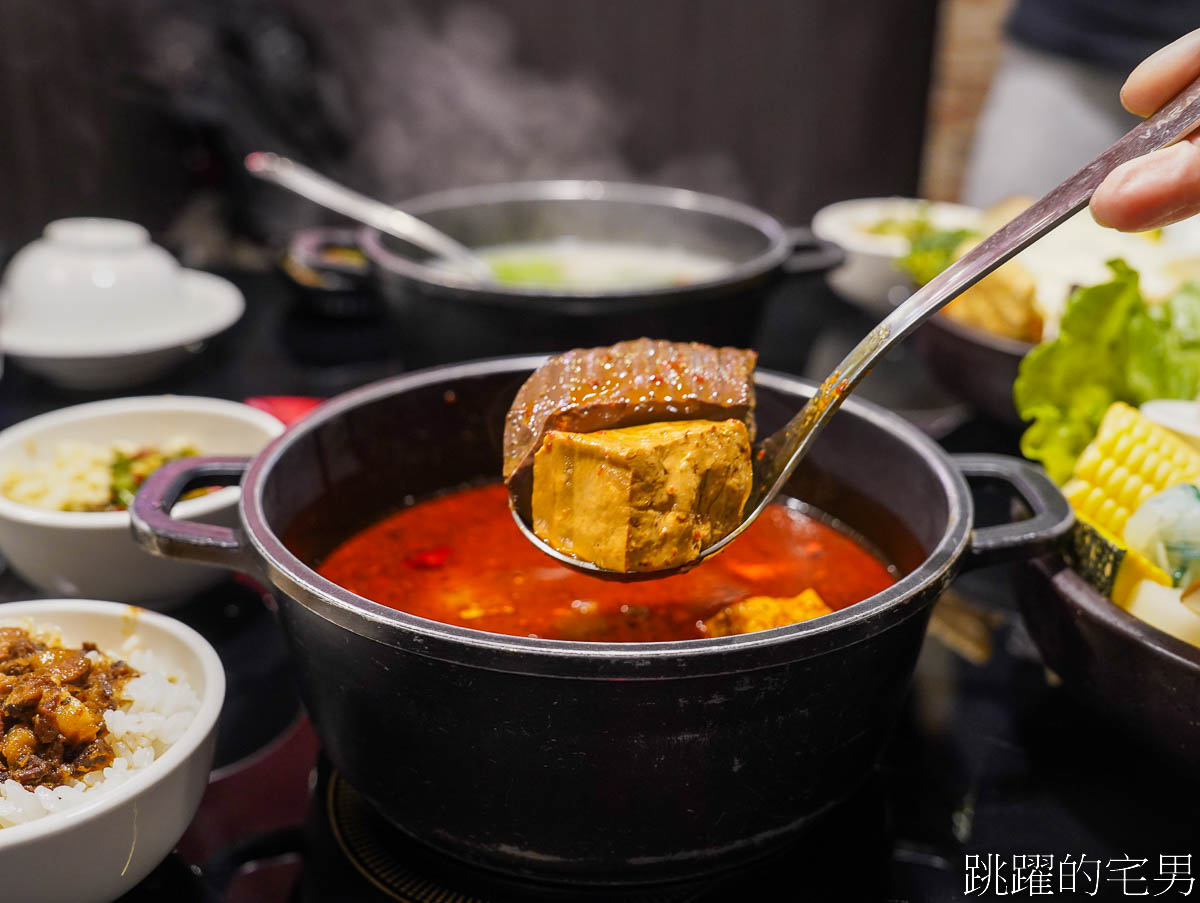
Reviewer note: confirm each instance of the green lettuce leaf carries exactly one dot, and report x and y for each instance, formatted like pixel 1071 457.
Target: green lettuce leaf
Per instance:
pixel 1111 346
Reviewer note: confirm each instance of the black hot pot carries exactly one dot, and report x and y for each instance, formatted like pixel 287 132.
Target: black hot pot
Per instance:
pixel 590 762
pixel 1129 671
pixel 443 319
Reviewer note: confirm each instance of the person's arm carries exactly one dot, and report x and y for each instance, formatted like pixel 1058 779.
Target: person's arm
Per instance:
pixel 1164 186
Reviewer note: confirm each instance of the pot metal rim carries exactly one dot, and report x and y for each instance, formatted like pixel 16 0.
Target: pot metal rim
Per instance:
pixel 684 199
pixel 567 658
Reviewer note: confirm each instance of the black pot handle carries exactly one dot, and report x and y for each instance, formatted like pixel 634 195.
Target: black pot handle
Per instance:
pixel 811 254
pixel 1052 515
pixel 162 535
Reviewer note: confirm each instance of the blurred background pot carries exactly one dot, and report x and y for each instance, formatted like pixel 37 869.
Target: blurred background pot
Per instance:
pixel 974 365
pixel 444 320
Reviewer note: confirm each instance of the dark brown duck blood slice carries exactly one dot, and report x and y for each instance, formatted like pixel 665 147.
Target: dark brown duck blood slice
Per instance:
pixel 628 384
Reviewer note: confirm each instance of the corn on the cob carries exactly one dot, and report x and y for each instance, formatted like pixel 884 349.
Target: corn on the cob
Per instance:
pixel 1107 564
pixel 1130 460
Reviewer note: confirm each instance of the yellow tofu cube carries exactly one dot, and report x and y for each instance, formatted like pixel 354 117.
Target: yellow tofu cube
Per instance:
pixel 644 497
pixel 765 612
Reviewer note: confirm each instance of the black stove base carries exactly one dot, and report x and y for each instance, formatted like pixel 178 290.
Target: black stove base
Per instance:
pixel 354 854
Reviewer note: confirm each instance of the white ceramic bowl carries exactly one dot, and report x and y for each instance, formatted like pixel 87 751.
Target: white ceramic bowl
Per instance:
pixel 93 554
pixel 123 352
pixel 99 850
pixel 869 277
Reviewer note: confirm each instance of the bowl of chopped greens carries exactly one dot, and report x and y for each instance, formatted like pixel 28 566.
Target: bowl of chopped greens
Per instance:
pixel 68 477
pixel 876 233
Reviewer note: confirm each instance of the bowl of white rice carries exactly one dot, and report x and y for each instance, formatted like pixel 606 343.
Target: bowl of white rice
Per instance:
pixel 61 460
pixel 95 838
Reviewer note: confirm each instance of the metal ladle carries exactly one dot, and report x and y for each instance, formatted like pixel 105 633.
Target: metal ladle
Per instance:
pixel 777 456
pixel 329 194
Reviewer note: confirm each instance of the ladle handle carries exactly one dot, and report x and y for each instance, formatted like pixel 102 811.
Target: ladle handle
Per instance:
pixel 785 449
pixel 329 194
pixel 163 535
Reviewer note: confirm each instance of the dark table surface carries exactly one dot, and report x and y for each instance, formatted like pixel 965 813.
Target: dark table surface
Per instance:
pixel 992 765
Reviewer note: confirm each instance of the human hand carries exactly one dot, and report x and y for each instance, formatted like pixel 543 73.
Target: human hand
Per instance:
pixel 1163 186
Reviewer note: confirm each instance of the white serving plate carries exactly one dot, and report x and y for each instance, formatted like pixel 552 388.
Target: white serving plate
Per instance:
pixel 128 352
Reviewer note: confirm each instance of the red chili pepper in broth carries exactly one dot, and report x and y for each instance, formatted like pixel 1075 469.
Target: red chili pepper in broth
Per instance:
pixel 429 559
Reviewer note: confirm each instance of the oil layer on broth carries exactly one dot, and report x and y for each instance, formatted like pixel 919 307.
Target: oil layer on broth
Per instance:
pixel 460 559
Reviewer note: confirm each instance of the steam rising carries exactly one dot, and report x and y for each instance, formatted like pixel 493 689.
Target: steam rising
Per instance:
pixel 438 105
pixel 384 97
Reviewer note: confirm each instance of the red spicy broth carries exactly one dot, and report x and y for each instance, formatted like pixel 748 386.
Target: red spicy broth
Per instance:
pixel 461 560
